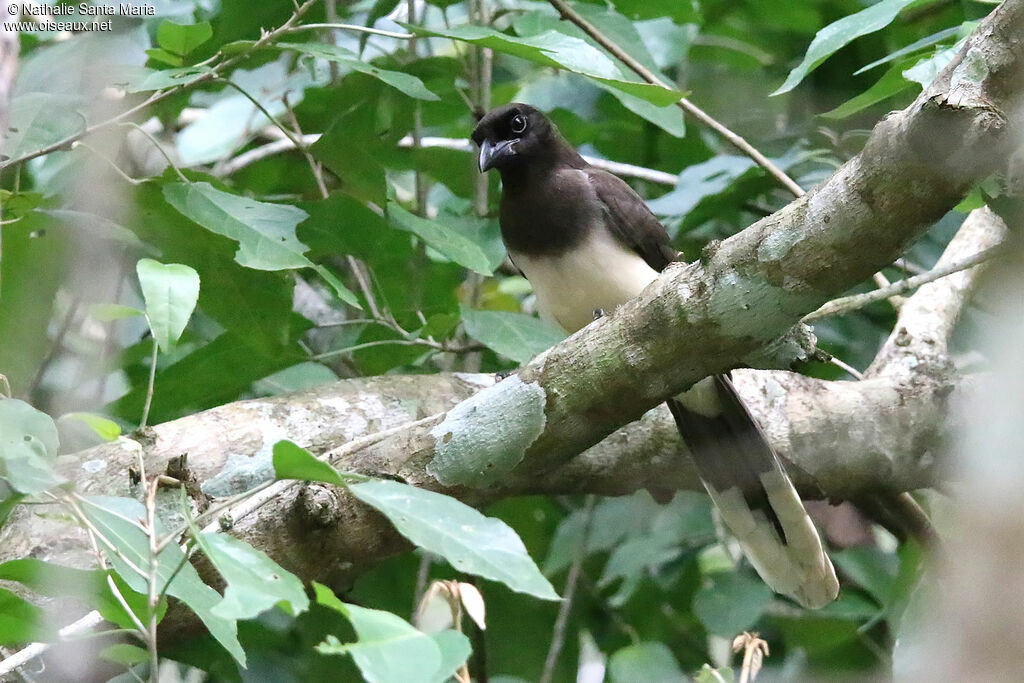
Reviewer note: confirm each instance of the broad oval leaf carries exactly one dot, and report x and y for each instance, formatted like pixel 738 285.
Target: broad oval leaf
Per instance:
pixel 648 662
pixel 181 39
pixel 730 603
pixel 255 582
pixel 403 82
pixel 390 649
pixel 28 447
pixel 265 232
pixel 466 538
pixel 454 245
pixel 170 291
pixel 515 335
pixel 837 34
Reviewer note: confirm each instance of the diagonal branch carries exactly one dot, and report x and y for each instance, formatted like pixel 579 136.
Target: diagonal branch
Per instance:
pixel 569 14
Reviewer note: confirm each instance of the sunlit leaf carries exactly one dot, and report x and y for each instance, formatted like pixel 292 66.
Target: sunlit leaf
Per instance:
pixel 108 430
pixel 181 39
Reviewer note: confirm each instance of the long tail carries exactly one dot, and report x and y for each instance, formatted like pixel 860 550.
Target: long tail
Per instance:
pixel 754 495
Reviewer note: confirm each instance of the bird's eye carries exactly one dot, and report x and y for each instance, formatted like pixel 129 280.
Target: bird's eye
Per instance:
pixel 518 124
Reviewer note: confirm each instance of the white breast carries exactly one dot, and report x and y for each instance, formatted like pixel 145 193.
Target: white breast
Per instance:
pixel 600 273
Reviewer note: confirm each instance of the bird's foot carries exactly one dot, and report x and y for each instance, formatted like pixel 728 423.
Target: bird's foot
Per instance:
pixel 503 374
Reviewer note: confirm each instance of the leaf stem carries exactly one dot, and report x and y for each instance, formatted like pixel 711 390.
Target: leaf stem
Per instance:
pixel 149 386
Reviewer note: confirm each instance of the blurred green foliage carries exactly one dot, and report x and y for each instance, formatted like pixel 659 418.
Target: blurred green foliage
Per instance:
pixel 397 248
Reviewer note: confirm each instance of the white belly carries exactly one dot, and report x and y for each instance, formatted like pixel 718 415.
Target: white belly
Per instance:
pixel 600 274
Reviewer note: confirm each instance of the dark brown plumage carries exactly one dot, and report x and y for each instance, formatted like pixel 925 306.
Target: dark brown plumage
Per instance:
pixel 587 241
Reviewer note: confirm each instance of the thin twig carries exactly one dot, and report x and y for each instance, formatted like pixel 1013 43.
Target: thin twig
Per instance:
pixel 571 581
pixel 51 353
pixel 354 27
pixel 458 144
pixel 569 14
pixel 159 147
pixel 855 301
pixel 214 72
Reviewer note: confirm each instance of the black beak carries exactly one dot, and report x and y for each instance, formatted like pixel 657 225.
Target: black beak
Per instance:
pixel 492 154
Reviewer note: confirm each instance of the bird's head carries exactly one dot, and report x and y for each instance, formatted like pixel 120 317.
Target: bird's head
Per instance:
pixel 511 134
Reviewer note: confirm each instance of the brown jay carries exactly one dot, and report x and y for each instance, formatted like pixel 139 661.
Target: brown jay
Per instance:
pixel 587 242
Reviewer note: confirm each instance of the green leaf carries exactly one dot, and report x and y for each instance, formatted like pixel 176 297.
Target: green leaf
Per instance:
pixel 910 49
pixel 891 83
pixel 700 181
pixel 109 312
pixel 925 70
pixel 707 674
pixel 555 49
pixel 839 33
pixel 165 57
pixel 181 39
pixel 141 79
pixel 380 9
pixel 38 120
pixel 515 335
pixel 403 82
pixel 648 662
pixel 389 649
pixel 28 447
pixel 265 232
pixel 171 291
pixel 87 585
pixel 872 569
pixel 116 521
pixel 447 527
pixel 454 245
pixel 730 603
pixel 108 430
pixel 124 654
pixel 295 462
pixel 213 374
pixel 21 621
pixel 255 582
pixel 455 650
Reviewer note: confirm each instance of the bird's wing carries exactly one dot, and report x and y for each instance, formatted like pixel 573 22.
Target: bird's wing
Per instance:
pixel 631 221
